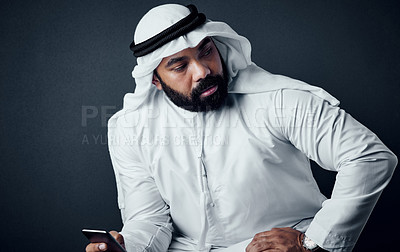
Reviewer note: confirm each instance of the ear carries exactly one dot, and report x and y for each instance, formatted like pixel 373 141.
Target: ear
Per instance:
pixel 156 82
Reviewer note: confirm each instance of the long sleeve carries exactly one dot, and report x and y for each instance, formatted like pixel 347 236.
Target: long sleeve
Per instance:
pixel 146 220
pixel 336 141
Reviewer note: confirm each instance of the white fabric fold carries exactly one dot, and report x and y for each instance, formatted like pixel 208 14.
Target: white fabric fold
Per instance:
pixel 146 173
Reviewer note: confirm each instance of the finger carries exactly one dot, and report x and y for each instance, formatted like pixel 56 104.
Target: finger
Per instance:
pixel 257 238
pixel 261 247
pixel 259 244
pixel 118 237
pixel 95 247
pixel 250 246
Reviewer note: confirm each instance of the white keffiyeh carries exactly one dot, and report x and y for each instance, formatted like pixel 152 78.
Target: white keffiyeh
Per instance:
pixel 245 76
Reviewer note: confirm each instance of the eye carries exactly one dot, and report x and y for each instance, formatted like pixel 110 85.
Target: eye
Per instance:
pixel 180 68
pixel 207 52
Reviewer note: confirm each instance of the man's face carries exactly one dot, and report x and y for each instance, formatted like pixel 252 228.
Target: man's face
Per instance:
pixel 194 78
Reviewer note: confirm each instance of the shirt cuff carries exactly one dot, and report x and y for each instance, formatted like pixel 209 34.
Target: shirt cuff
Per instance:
pixel 328 240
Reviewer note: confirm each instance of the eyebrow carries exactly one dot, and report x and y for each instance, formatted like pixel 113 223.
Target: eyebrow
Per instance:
pixel 204 43
pixel 175 60
pixel 179 59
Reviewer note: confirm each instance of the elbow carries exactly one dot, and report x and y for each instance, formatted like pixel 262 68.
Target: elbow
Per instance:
pixel 384 167
pixel 392 162
pixel 388 165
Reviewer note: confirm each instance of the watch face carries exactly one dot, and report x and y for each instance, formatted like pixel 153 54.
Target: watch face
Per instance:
pixel 309 244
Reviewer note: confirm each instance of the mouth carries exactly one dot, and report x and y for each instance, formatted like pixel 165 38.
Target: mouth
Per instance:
pixel 209 91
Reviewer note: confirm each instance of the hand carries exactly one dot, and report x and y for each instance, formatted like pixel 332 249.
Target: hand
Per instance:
pixel 277 240
pixel 95 247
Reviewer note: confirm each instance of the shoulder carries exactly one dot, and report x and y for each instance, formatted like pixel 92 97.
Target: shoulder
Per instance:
pixel 135 116
pixel 278 98
pixel 297 97
pixel 254 80
pixel 130 123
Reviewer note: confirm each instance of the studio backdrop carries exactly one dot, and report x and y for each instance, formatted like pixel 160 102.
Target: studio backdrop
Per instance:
pixel 65 66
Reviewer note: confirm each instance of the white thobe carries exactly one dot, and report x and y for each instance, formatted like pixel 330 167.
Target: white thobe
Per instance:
pixel 203 181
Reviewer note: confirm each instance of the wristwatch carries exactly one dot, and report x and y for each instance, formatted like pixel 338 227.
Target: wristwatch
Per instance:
pixel 309 244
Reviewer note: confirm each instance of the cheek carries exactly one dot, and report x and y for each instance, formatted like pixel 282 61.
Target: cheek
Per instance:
pixel 217 65
pixel 182 84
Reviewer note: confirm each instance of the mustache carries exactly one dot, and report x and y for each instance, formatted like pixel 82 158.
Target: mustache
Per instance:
pixel 206 83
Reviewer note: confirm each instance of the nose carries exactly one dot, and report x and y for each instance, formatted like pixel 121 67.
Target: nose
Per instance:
pixel 200 70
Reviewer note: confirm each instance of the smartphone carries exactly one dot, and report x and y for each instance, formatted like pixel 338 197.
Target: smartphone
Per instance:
pixel 98 236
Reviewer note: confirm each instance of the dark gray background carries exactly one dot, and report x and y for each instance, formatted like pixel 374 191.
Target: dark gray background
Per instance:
pixel 59 58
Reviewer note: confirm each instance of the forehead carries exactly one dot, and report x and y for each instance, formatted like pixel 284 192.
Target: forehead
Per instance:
pixel 189 50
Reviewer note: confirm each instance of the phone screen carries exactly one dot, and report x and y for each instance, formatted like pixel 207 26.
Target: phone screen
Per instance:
pixel 98 236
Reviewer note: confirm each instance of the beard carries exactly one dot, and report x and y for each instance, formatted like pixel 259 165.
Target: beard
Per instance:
pixel 194 102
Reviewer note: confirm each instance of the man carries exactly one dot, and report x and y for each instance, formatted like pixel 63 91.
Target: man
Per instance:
pixel 212 152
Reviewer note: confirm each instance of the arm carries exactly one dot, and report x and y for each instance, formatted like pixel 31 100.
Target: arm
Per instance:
pixel 146 219
pixel 336 141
